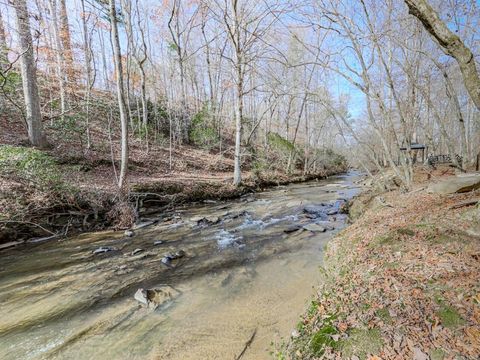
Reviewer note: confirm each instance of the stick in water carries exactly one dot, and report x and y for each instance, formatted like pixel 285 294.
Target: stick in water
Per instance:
pixel 247 344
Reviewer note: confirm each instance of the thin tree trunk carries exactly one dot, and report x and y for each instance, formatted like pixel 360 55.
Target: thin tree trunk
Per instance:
pixel 120 95
pixel 88 69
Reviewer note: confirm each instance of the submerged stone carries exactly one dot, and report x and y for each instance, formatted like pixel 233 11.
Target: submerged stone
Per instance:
pixel 292 229
pixel 104 249
pixel 314 228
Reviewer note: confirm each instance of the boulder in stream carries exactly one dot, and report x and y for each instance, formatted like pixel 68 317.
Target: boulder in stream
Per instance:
pixel 326 224
pixel 315 210
pixel 153 298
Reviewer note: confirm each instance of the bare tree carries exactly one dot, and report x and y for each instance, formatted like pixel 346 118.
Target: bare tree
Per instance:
pixel 450 43
pixel 29 75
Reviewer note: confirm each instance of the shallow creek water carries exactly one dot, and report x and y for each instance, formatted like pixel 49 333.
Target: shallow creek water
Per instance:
pixel 241 272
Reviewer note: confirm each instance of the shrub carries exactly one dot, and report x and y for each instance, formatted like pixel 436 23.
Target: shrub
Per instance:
pixel 201 132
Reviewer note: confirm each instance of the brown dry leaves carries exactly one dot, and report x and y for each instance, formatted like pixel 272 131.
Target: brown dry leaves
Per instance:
pixel 411 271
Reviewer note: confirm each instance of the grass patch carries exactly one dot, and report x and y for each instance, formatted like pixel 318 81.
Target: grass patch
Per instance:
pixel 450 317
pixel 406 231
pixel 388 239
pixel 384 314
pixel 437 354
pixel 323 339
pixel 361 343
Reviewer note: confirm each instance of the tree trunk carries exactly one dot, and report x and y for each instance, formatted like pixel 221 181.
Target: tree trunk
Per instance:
pixel 88 68
pixel 120 95
pixel 29 76
pixel 451 44
pixel 3 44
pixel 66 42
pixel 59 57
pixel 237 173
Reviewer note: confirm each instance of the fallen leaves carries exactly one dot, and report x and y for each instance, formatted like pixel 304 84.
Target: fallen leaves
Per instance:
pixel 409 271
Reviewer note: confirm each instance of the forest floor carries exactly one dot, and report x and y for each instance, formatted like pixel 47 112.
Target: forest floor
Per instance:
pixel 68 188
pixel 402 282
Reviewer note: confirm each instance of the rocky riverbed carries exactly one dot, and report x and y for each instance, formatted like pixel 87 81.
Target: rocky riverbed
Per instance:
pixel 199 282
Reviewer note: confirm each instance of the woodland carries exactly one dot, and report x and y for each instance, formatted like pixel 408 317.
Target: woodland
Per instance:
pixel 114 111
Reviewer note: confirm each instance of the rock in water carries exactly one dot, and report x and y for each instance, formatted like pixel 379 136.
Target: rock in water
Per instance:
pixel 456 184
pixel 154 298
pixel 314 228
pixel 137 251
pixel 167 260
pixel 129 233
pixel 141 296
pixel 179 254
pixel 292 229
pixel 104 249
pixel 326 224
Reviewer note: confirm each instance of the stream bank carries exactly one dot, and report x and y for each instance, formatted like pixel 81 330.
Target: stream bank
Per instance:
pixel 65 211
pixel 401 282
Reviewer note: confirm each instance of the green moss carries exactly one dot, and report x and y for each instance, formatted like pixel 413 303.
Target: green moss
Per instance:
pixel 361 343
pixel 437 354
pixel 391 265
pixel 29 165
pixel 406 231
pixel 450 318
pixel 387 239
pixel 384 314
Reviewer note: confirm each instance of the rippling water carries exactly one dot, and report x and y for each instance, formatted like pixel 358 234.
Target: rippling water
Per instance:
pixel 241 273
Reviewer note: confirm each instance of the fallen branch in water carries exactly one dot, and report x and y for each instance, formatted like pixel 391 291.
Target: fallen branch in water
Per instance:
pixel 28 223
pixel 247 344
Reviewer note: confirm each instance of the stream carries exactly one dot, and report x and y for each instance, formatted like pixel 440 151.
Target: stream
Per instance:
pixel 221 271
